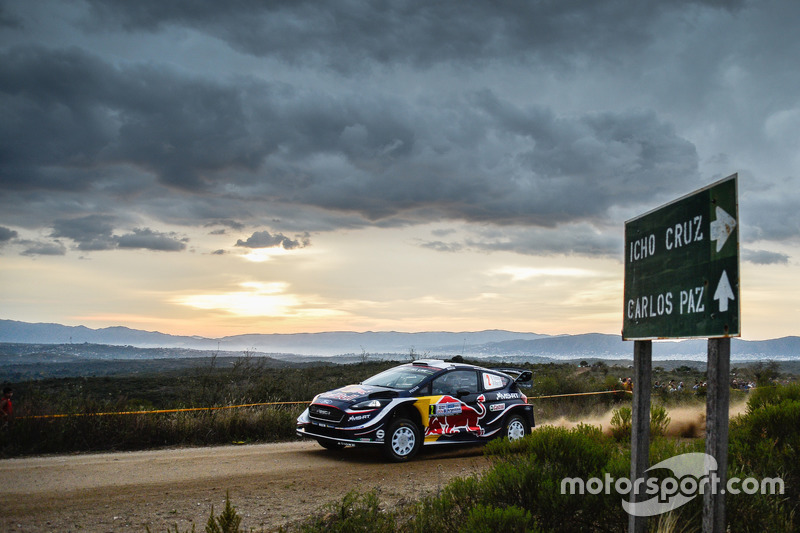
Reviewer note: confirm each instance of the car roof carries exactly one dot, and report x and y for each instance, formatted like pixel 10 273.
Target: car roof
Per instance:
pixel 445 365
pixel 433 363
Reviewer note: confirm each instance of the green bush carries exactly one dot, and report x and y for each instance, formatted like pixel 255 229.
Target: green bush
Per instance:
pixel 228 520
pixel 487 519
pixel 622 422
pixel 523 490
pixel 131 432
pixel 528 474
pixel 354 513
pixel 659 420
pixel 766 438
pixel 444 512
pixel 761 397
pixel 765 443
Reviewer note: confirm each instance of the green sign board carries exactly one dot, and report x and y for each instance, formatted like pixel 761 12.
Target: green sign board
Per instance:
pixel 682 267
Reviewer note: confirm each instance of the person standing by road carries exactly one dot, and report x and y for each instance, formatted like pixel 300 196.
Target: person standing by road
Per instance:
pixel 6 408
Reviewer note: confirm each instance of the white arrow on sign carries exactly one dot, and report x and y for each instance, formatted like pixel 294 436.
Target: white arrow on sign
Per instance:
pixel 722 228
pixel 724 292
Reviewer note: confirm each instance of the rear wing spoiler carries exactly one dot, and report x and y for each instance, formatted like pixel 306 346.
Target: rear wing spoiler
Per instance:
pixel 519 375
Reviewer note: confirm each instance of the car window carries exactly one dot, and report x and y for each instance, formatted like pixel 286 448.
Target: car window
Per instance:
pixel 457 380
pixel 493 381
pixel 403 377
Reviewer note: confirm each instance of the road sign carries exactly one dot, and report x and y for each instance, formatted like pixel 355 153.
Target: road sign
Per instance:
pixel 682 267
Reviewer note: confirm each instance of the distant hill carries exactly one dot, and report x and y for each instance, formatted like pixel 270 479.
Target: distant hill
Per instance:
pixel 603 346
pixel 321 344
pixel 489 343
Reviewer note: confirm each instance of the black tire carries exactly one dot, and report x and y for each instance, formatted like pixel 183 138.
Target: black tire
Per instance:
pixel 330 444
pixel 403 440
pixel 515 427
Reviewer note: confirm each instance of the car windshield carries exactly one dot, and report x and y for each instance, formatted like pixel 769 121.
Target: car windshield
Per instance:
pixel 401 377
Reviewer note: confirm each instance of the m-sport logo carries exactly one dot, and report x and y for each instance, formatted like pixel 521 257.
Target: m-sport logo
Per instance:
pixel 692 474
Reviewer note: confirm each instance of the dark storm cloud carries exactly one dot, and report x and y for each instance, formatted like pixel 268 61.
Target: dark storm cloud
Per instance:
pixel 344 34
pixel 42 247
pixel 92 232
pixel 8 20
pixel 764 257
pixel 148 239
pixel 474 158
pixel 96 232
pixel 580 238
pixel 441 246
pixel 264 239
pixel 82 131
pixel 6 234
pixel 70 108
pixel 773 213
pixel 232 224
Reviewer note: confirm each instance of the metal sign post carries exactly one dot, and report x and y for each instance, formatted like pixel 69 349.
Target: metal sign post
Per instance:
pixel 640 429
pixel 717 406
pixel 682 281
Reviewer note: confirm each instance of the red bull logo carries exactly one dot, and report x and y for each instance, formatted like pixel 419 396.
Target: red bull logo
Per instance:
pixel 450 415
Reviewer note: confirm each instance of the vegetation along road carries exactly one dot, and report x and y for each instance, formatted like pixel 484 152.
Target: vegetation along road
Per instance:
pixel 269 484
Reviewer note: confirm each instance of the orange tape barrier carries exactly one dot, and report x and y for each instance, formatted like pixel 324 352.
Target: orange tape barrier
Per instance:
pixel 579 394
pixel 262 404
pixel 160 410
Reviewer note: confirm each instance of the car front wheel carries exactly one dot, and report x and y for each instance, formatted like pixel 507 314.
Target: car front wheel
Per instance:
pixel 403 440
pixel 516 427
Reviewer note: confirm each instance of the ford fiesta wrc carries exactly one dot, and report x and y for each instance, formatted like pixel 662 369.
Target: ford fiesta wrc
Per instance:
pixel 427 402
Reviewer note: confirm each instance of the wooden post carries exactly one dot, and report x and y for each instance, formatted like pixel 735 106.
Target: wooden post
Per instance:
pixel 717 407
pixel 640 431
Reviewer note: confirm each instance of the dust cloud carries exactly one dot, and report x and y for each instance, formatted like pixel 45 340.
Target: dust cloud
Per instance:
pixel 685 422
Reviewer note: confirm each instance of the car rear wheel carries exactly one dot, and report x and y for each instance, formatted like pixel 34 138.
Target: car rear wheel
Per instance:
pixel 403 440
pixel 516 427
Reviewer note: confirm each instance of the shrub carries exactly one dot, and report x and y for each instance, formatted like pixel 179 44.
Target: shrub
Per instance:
pixel 130 432
pixel 354 513
pixel 529 474
pixel 227 522
pixel 622 422
pixel 487 519
pixel 444 512
pixel 765 443
pixel 659 420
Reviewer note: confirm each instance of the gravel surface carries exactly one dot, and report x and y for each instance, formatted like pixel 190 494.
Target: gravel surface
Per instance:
pixel 270 485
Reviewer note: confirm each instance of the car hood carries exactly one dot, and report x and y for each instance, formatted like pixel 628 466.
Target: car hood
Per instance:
pixel 351 394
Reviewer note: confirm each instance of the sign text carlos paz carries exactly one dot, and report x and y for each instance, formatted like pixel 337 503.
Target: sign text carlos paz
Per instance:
pixel 682 267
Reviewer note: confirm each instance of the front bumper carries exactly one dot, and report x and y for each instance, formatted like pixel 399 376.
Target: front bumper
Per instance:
pixel 370 433
pixel 312 431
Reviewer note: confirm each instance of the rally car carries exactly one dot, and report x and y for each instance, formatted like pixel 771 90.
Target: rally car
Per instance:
pixel 427 402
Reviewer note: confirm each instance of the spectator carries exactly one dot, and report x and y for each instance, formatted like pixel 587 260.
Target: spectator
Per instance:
pixel 6 408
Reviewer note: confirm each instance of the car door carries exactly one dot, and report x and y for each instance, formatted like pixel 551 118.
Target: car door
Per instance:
pixel 457 405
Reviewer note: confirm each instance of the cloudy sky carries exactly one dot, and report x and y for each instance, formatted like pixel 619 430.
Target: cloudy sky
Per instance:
pixel 215 168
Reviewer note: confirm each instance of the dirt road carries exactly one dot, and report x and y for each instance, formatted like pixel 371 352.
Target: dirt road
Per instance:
pixel 269 484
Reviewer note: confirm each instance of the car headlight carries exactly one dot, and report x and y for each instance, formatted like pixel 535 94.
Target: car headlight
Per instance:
pixel 367 404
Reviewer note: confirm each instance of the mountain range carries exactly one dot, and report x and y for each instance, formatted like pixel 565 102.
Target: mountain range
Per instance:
pixel 489 343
